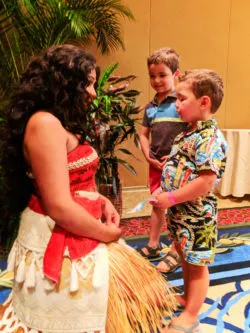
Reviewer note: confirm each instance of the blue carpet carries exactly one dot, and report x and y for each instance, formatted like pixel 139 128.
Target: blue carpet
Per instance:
pixel 232 265
pixel 227 306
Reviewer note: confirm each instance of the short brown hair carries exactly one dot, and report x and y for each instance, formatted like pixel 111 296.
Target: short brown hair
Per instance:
pixel 205 82
pixel 166 56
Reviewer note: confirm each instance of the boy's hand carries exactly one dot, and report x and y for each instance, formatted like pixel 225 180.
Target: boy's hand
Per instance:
pixel 158 164
pixel 155 163
pixel 164 160
pixel 162 201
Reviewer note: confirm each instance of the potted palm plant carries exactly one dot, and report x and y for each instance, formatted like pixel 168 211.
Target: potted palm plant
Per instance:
pixel 28 26
pixel 115 115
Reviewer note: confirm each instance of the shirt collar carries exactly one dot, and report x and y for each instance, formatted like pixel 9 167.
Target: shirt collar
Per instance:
pixel 206 123
pixel 203 124
pixel 170 97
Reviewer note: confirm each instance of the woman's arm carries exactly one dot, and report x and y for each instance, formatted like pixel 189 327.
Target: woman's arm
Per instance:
pixel 197 187
pixel 110 212
pixel 45 146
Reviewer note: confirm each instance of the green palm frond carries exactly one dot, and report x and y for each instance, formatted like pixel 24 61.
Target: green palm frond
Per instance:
pixel 105 76
pixel 127 166
pixel 116 116
pixel 28 26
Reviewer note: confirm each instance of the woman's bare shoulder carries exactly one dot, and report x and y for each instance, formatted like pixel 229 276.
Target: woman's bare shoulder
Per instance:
pixel 43 118
pixel 44 127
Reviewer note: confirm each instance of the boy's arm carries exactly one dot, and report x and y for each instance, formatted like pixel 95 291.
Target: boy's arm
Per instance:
pixel 145 146
pixel 197 187
pixel 144 140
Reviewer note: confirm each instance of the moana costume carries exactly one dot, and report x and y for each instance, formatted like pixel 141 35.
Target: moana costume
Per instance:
pixel 73 284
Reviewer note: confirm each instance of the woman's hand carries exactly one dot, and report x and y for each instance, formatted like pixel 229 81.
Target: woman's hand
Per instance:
pixel 110 213
pixel 112 220
pixel 113 233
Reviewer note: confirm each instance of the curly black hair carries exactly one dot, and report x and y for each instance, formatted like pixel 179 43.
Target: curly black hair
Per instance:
pixel 54 81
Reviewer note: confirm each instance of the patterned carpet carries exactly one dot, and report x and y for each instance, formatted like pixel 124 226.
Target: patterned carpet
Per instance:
pixel 230 217
pixel 227 306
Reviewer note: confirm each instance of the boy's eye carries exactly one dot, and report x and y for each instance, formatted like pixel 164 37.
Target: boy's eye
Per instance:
pixel 161 76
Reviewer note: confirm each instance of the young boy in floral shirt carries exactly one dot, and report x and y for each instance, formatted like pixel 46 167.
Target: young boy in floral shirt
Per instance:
pixel 193 168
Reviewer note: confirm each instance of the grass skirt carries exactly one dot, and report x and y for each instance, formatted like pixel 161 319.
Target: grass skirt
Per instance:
pixel 139 297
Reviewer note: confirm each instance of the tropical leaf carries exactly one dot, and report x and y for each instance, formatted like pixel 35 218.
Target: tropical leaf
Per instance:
pixel 131 93
pixel 107 72
pixel 128 166
pixel 125 151
pixel 137 141
pixel 122 79
pixel 115 109
pixel 28 26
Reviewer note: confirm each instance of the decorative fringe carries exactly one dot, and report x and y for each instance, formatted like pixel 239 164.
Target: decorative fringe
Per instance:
pixel 100 261
pixel 74 283
pixel 11 259
pixel 30 277
pixel 20 274
pixel 84 268
pixel 139 297
pixel 49 284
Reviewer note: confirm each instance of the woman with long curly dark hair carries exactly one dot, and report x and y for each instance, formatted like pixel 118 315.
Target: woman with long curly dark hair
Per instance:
pixel 71 274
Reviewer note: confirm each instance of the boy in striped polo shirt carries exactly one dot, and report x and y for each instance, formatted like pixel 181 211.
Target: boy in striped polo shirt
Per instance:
pixel 161 124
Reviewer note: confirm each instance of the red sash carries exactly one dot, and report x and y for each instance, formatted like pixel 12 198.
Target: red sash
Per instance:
pixel 78 246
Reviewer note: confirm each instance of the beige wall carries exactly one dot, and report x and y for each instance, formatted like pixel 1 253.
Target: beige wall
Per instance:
pixel 207 34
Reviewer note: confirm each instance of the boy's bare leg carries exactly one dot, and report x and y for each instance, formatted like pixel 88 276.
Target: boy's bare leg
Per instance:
pixel 182 299
pixel 156 221
pixel 198 283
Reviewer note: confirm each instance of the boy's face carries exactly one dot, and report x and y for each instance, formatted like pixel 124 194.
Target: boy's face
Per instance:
pixel 187 105
pixel 161 79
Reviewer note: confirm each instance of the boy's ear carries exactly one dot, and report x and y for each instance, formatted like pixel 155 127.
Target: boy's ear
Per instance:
pixel 205 102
